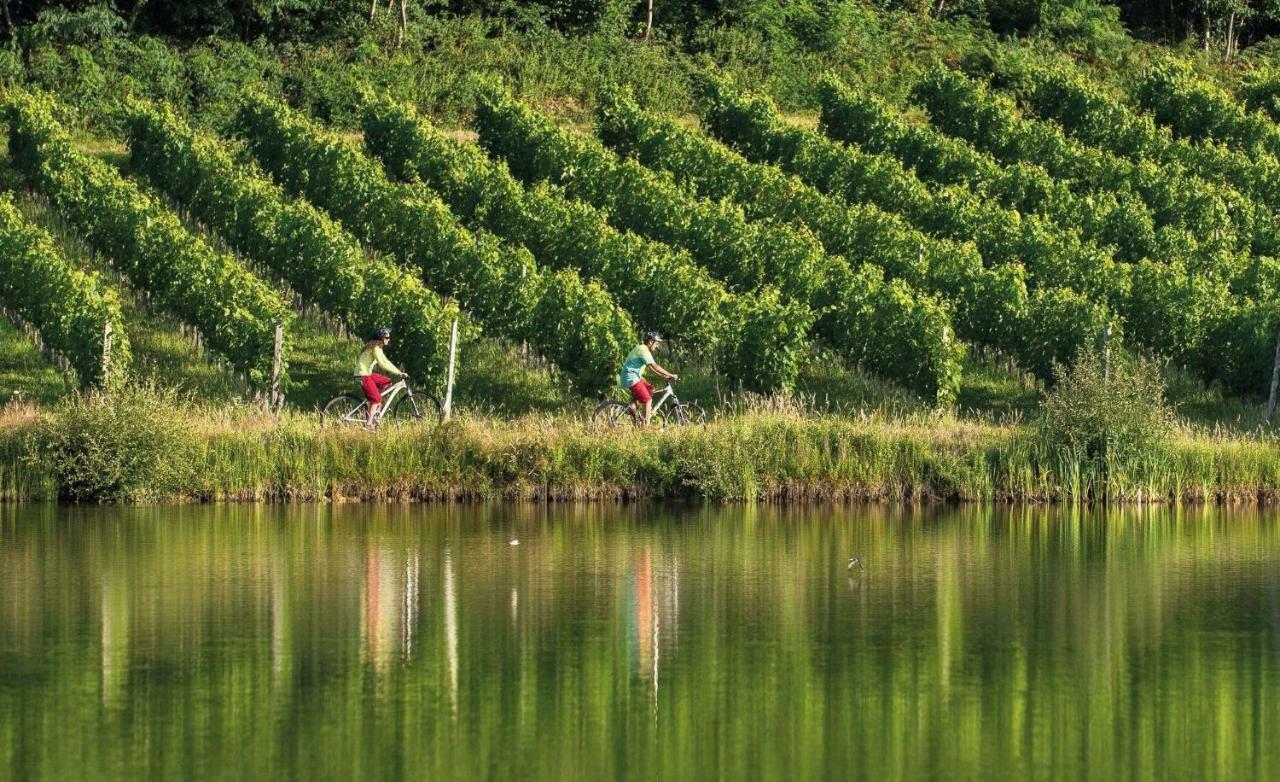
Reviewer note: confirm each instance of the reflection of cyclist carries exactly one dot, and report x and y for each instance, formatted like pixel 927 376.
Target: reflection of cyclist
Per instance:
pixel 632 376
pixel 371 382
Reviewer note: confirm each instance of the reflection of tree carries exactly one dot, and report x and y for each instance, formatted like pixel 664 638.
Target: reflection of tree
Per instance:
pixel 340 642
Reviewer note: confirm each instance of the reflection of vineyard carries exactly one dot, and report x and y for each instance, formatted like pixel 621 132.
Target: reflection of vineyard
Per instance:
pixel 718 643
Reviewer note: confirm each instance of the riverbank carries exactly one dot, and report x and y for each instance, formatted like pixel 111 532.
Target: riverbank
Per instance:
pixel 238 454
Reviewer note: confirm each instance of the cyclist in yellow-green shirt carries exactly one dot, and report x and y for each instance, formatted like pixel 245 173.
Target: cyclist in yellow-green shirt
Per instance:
pixel 632 375
pixel 371 382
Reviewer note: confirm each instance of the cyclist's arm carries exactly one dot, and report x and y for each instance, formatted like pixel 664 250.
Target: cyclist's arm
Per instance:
pixel 661 372
pixel 385 363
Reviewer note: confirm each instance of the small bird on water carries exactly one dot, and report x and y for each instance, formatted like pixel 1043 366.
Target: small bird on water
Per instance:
pixel 513 542
pixel 854 561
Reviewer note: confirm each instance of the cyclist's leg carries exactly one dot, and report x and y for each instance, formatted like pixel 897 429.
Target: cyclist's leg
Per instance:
pixel 642 393
pixel 373 385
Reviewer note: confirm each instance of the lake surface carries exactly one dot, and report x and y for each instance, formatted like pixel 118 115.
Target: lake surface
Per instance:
pixel 357 642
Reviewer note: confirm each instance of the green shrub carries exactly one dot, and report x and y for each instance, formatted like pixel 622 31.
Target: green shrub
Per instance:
pixel 135 444
pixel 1108 421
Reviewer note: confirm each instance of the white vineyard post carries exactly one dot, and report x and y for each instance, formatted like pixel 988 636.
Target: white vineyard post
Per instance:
pixel 1275 380
pixel 1106 353
pixel 277 360
pixel 453 354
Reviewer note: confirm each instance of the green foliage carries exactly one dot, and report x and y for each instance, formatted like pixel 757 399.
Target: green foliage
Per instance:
pixel 1088 113
pixel 74 77
pixel 1261 92
pixel 234 310
pixel 70 308
pixel 1240 347
pixel 855 116
pixel 320 261
pixel 220 71
pixel 78 26
pixel 662 289
pixel 1218 217
pixel 752 124
pixel 994 309
pixel 135 443
pixel 856 306
pixel 1112 421
pixel 1065 323
pixel 1197 109
pixel 716 235
pixel 746 255
pixel 575 324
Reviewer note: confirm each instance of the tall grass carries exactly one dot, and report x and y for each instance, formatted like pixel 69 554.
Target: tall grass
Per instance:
pixel 762 453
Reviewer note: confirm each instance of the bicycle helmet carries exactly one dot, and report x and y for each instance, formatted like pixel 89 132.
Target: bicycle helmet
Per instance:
pixel 652 336
pixel 381 332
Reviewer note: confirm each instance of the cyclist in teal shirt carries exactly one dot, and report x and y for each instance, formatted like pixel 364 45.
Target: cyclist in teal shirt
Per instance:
pixel 632 375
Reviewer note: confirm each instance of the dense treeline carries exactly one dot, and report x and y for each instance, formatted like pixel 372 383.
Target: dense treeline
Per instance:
pixel 808 24
pixel 814 24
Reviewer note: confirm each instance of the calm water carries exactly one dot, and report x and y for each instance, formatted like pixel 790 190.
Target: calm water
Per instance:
pixel 367 643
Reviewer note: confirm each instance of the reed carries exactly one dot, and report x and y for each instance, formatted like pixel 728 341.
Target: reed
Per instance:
pixel 765 452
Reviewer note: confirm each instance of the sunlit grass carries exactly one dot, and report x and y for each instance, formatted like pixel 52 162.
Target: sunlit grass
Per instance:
pixel 762 450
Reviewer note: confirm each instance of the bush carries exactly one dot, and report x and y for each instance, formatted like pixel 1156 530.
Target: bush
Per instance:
pixel 135 444
pixel 1109 421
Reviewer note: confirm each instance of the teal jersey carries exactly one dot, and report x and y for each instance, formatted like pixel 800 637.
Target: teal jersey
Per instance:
pixel 633 367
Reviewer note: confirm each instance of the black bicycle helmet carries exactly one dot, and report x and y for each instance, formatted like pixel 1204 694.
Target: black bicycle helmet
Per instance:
pixel 652 336
pixel 381 332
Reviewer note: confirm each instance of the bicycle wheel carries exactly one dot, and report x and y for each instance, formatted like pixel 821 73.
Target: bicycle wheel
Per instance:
pixel 611 414
pixel 690 414
pixel 402 410
pixel 344 410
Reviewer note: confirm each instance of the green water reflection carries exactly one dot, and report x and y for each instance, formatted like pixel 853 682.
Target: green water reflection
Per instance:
pixel 366 643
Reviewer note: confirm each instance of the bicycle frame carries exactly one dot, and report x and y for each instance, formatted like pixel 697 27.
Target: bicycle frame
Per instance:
pixel 388 398
pixel 667 393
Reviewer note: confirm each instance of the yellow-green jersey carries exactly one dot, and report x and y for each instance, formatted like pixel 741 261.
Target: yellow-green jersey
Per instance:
pixel 371 357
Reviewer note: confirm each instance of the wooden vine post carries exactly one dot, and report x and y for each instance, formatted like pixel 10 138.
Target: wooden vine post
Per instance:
pixel 453 354
pixel 106 354
pixel 1275 380
pixel 277 364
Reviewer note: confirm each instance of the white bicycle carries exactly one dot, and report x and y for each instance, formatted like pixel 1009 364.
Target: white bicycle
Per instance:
pixel 399 404
pixel 611 413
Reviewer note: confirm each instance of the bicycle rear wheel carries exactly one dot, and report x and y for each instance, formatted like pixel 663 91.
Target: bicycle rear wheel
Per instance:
pixel 344 410
pixel 428 409
pixel 611 414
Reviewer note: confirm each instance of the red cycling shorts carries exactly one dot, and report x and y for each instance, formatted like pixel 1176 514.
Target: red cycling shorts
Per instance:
pixel 642 391
pixel 373 385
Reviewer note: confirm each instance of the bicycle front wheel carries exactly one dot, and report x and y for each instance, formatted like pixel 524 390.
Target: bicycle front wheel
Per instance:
pixel 427 408
pixel 611 414
pixel 344 410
